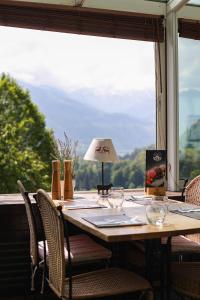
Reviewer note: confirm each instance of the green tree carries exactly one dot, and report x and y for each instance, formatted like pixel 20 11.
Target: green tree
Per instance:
pixel 189 162
pixel 25 142
pixel 128 173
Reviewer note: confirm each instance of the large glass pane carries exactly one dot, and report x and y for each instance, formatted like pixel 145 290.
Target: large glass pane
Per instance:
pixel 194 2
pixel 88 87
pixel 189 108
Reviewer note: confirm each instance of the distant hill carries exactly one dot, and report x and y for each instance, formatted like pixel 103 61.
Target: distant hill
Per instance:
pixel 131 103
pixel 75 113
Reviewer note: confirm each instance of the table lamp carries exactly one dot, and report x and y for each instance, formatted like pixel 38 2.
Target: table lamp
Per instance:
pixel 102 150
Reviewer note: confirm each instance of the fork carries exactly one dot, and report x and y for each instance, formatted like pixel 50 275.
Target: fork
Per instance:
pixel 189 210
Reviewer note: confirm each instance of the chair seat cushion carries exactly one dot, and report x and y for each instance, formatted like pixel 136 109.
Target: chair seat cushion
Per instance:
pixel 185 278
pixel 83 249
pixel 106 282
pixel 181 245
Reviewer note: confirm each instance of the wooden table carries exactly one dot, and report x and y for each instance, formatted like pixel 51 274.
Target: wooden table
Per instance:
pixel 174 225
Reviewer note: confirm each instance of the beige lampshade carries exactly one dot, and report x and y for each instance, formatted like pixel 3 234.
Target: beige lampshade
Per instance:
pixel 101 150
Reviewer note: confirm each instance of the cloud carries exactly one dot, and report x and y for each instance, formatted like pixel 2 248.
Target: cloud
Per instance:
pixel 72 61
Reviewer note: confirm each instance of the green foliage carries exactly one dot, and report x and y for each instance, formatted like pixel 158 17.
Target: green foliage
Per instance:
pixel 190 162
pixel 25 142
pixel 27 148
pixel 127 173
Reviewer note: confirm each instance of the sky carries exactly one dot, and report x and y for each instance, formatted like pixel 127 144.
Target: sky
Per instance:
pixel 70 62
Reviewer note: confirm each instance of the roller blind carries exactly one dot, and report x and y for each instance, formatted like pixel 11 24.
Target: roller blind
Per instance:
pixel 78 20
pixel 189 29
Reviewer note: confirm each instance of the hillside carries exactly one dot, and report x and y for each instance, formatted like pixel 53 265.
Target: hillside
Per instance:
pixel 74 113
pixel 189 117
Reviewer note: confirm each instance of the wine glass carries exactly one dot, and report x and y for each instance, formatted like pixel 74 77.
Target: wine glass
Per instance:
pixel 116 197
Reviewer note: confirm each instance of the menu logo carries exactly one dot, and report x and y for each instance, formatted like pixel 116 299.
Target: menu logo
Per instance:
pixel 157 156
pixel 102 149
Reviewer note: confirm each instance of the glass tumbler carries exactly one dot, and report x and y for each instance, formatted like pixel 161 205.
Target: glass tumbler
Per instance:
pixel 102 199
pixel 156 213
pixel 116 197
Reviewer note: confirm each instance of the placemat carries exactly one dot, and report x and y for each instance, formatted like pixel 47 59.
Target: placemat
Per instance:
pixel 113 220
pixel 189 214
pixel 75 204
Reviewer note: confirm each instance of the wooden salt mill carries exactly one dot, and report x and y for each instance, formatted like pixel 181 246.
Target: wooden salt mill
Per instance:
pixel 55 185
pixel 68 187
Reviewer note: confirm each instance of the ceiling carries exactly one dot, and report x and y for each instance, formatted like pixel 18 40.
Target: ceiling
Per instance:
pixel 156 7
pixel 140 6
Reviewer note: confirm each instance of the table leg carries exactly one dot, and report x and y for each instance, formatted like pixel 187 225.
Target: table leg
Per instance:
pixel 158 265
pixel 152 255
pixel 115 261
pixel 168 271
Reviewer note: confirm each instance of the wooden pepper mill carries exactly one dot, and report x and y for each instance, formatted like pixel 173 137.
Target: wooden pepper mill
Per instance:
pixel 55 185
pixel 68 187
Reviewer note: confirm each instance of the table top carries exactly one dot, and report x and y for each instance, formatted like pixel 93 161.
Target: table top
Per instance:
pixel 174 224
pixel 16 199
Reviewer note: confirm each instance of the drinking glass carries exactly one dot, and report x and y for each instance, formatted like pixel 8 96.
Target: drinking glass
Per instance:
pixel 162 200
pixel 102 199
pixel 156 213
pixel 116 197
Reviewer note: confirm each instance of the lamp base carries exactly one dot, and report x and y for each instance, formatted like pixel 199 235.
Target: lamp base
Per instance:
pixel 104 188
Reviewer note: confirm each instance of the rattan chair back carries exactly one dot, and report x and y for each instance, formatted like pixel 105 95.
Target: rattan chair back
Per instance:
pixel 54 232
pixel 192 191
pixel 31 223
pixel 192 195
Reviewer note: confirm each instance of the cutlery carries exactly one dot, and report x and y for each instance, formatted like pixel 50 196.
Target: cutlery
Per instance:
pixel 138 198
pixel 189 210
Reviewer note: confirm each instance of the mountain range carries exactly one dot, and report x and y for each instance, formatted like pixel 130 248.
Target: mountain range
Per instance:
pixel 189 124
pixel 129 119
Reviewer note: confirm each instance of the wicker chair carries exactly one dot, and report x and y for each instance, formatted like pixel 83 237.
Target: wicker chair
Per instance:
pixel 83 249
pixel 101 283
pixel 185 279
pixel 189 244
pixel 182 247
pixel 185 276
pixel 36 259
pixel 192 196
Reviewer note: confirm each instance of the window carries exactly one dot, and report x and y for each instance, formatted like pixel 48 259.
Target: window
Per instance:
pixel 89 87
pixel 189 108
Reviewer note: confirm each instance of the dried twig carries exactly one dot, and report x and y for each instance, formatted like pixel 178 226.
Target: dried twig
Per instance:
pixel 64 150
